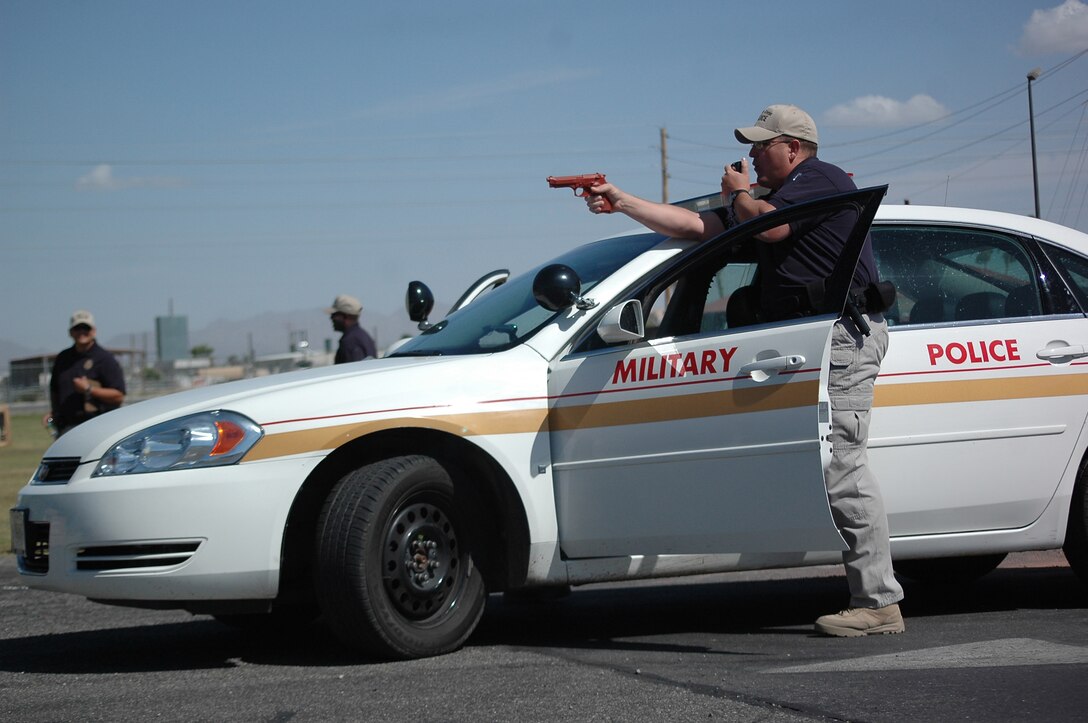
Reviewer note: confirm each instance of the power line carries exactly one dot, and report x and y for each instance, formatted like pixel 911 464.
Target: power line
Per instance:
pixel 1071 192
pixel 998 98
pixel 1065 165
pixel 982 106
pixel 306 160
pixel 970 144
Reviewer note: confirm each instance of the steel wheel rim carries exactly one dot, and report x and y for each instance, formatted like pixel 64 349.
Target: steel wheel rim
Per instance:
pixel 420 560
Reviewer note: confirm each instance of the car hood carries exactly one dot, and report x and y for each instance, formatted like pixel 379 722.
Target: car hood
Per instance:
pixel 370 387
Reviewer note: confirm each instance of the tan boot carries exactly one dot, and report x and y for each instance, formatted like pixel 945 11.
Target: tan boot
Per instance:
pixel 856 622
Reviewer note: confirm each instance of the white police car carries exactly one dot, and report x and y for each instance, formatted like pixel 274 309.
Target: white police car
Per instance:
pixel 597 418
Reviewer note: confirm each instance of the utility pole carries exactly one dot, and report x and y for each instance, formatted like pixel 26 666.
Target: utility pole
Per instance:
pixel 1033 75
pixel 664 167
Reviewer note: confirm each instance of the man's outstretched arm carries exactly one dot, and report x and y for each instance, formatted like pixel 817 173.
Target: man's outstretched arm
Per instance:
pixel 674 221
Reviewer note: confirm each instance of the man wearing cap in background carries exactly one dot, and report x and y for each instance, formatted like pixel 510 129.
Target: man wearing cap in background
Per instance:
pixel 86 381
pixel 784 144
pixel 355 343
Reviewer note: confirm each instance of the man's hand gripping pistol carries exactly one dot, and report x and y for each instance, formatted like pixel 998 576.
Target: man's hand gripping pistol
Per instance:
pixel 581 183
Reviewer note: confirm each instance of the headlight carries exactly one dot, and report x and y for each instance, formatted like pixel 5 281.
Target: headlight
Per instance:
pixel 208 439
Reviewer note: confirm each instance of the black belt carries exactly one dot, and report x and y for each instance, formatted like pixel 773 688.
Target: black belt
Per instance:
pixel 874 298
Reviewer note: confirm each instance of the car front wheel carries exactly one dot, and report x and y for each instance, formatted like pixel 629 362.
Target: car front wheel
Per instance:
pixel 394 568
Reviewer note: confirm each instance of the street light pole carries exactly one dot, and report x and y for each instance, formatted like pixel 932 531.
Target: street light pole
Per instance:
pixel 1033 75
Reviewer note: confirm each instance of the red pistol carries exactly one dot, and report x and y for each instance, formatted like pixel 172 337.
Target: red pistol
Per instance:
pixel 581 183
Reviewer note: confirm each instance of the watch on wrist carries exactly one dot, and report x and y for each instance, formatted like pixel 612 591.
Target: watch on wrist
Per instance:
pixel 733 196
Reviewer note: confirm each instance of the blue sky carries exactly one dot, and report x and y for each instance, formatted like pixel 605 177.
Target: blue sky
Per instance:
pixel 240 157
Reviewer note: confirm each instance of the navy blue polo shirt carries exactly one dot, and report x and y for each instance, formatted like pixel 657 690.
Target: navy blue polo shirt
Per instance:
pixel 355 345
pixel 813 247
pixel 96 364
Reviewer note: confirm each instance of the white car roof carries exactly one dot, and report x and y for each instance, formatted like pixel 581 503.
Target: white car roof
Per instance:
pixel 910 213
pixel 1056 233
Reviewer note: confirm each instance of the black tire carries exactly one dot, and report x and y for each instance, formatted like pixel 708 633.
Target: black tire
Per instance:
pixel 948 570
pixel 1076 533
pixel 395 575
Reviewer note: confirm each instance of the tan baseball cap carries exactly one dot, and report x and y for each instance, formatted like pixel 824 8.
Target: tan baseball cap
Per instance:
pixel 81 317
pixel 779 120
pixel 344 304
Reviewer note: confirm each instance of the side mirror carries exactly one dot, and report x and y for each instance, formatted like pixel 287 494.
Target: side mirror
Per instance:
pixel 623 322
pixel 419 301
pixel 558 287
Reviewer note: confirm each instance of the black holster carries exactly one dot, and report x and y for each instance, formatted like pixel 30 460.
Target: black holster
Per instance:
pixel 875 298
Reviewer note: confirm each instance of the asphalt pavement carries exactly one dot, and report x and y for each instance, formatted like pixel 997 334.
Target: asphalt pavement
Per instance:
pixel 738 647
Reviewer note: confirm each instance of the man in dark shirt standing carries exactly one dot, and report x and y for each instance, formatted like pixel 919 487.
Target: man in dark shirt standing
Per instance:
pixel 86 381
pixel 355 343
pixel 792 258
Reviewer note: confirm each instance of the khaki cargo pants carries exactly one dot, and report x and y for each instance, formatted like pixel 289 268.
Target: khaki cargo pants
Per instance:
pixel 856 503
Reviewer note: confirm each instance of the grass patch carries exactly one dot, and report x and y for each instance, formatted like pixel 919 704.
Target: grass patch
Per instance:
pixel 18 460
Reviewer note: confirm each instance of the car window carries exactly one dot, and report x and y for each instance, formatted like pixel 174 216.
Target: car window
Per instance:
pixel 947 274
pixel 509 314
pixel 707 298
pixel 693 305
pixel 725 287
pixel 1075 270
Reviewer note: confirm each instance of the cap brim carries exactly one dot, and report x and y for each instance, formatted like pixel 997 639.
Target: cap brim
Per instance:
pixel 754 134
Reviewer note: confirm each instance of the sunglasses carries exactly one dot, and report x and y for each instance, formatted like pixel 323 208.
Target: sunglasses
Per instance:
pixel 761 146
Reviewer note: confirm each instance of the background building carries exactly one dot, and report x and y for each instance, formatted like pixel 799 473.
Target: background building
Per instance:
pixel 171 338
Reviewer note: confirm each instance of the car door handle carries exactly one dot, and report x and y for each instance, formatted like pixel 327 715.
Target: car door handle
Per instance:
pixel 760 370
pixel 1061 353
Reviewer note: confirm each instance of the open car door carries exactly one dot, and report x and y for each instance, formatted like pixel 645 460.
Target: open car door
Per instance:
pixel 703 436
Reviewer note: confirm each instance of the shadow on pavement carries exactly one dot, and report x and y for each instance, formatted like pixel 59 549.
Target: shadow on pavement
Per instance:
pixel 597 616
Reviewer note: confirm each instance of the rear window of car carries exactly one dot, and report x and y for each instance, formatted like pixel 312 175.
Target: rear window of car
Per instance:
pixel 1075 270
pixel 945 274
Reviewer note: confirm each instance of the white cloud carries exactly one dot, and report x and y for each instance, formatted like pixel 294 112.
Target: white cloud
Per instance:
pixel 876 110
pixel 1062 29
pixel 101 178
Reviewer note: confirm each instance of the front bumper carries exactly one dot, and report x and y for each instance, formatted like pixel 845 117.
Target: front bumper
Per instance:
pixel 182 535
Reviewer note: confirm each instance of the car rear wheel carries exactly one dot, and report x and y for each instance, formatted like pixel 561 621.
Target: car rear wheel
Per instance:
pixel 948 570
pixel 394 569
pixel 1076 533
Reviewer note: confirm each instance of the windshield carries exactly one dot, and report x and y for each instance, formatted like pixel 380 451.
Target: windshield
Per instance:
pixel 508 315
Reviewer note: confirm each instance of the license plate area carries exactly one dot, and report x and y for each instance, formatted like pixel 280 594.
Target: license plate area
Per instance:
pixel 18 530
pixel 30 542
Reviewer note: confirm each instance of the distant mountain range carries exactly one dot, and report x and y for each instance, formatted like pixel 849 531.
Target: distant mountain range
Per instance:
pixel 267 333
